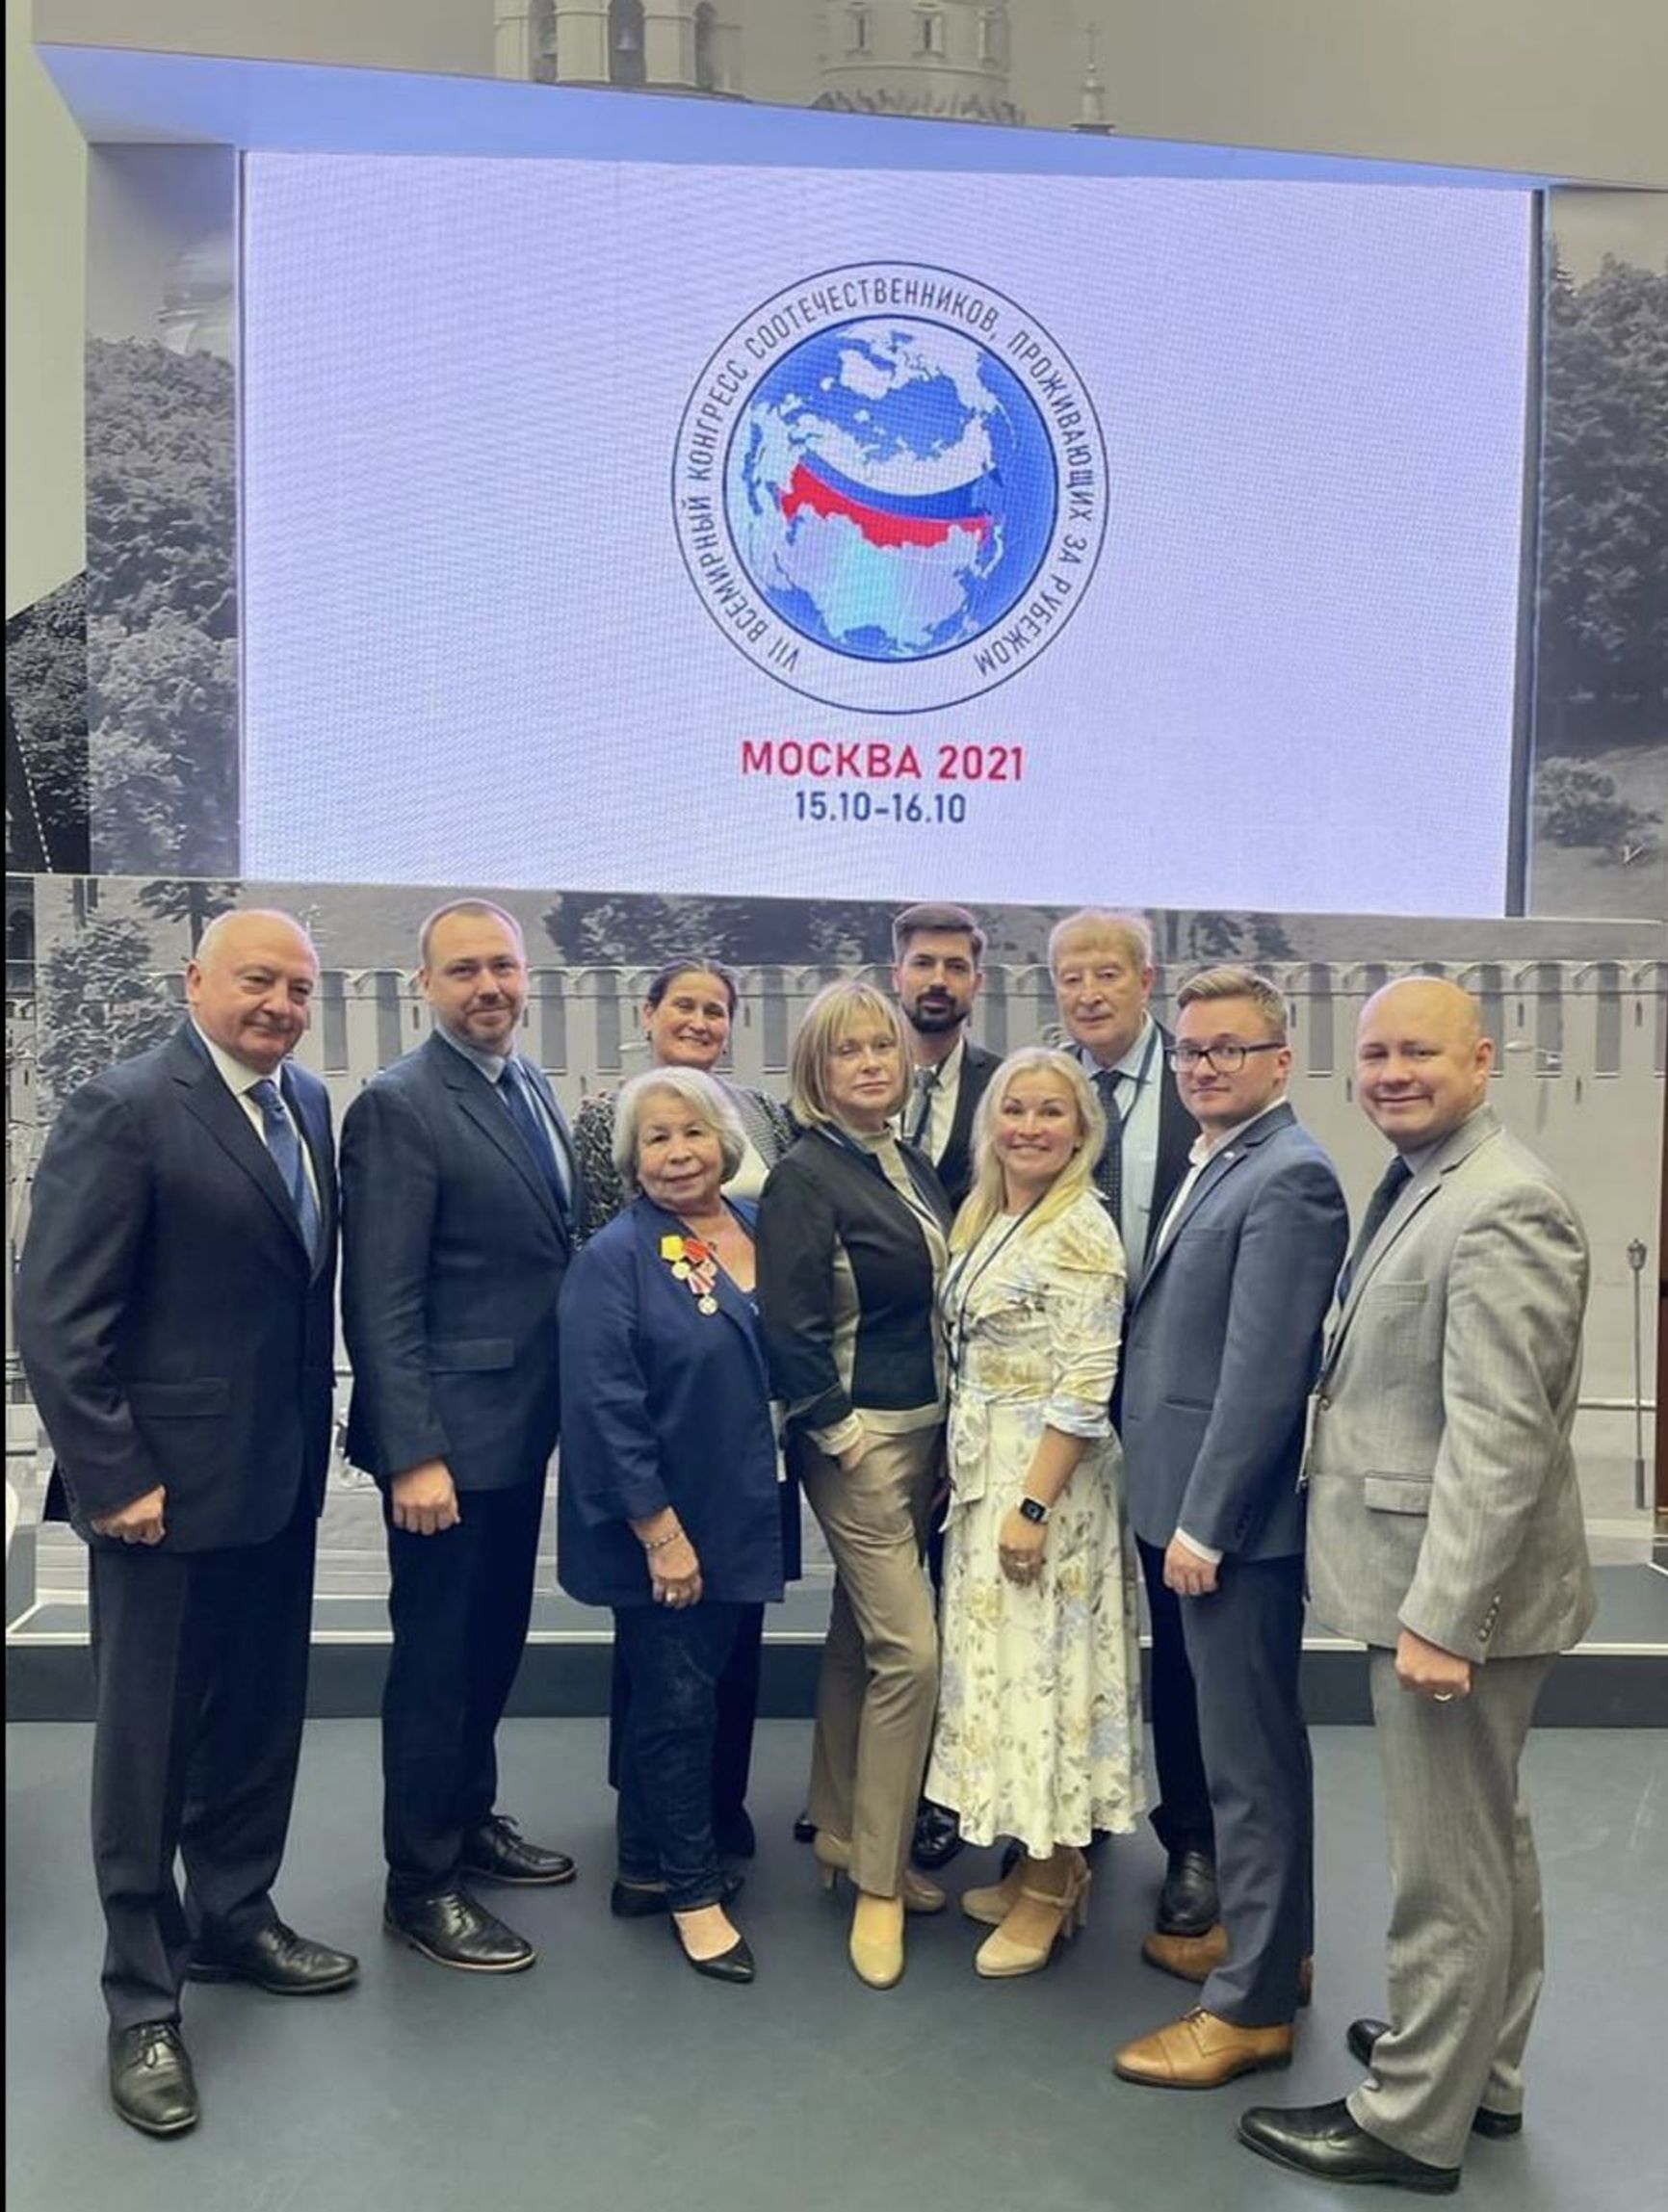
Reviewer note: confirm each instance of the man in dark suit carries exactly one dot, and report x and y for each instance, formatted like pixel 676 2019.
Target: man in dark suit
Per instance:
pixel 459 1191
pixel 936 952
pixel 1221 1349
pixel 1102 964
pixel 174 1314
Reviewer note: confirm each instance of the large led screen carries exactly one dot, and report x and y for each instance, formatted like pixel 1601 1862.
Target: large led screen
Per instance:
pixel 775 530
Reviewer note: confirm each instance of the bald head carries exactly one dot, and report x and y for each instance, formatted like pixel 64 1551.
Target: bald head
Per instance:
pixel 1422 1060
pixel 250 984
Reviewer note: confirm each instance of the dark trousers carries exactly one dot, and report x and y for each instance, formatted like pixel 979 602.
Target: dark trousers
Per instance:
pixel 1181 1817
pixel 738 1707
pixel 1245 1642
pixel 674 1658
pixel 200 1672
pixel 458 1604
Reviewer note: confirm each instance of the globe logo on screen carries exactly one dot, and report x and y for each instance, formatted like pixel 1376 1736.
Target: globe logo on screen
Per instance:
pixel 890 487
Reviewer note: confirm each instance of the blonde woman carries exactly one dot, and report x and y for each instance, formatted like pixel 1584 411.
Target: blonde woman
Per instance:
pixel 1038 1731
pixel 852 1243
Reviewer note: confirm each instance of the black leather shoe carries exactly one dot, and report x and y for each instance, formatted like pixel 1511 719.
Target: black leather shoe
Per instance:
pixel 276 1959
pixel 453 1931
pixel 733 1833
pixel 1323 2140
pixel 1361 2034
pixel 647 1899
pixel 736 1965
pixel 498 1851
pixel 1187 1902
pixel 804 1829
pixel 150 2078
pixel 937 1835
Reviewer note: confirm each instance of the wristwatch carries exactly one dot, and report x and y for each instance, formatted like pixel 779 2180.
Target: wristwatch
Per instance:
pixel 1033 1509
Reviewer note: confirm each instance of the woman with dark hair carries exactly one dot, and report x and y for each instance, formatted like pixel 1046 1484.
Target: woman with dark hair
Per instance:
pixel 851 1244
pixel 686 1015
pixel 667 1502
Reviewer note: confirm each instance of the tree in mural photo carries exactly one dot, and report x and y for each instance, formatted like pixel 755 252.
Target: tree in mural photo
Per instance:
pixel 99 1001
pixel 47 705
pixel 162 633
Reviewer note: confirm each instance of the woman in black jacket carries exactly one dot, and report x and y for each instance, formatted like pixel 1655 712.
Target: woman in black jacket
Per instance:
pixel 853 1231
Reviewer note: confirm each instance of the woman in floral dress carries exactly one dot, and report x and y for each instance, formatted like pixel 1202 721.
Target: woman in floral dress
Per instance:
pixel 1038 1732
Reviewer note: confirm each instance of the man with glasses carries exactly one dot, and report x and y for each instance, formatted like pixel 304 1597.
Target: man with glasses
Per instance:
pixel 1102 964
pixel 1222 1347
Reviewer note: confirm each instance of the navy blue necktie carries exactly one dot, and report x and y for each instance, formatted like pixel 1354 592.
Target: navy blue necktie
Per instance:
pixel 513 1089
pixel 1390 1184
pixel 285 1147
pixel 1109 1167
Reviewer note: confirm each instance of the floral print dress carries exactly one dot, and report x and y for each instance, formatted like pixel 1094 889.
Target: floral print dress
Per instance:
pixel 1039 1728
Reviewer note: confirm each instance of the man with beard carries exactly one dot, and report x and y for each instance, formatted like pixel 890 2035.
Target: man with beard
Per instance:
pixel 936 974
pixel 936 950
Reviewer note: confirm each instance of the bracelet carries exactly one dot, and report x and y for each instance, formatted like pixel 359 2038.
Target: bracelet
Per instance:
pixel 660 1543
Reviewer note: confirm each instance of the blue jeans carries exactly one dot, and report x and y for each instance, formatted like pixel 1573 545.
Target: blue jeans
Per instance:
pixel 672 1656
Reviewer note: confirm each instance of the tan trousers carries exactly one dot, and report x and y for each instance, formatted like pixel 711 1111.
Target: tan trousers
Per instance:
pixel 878 1687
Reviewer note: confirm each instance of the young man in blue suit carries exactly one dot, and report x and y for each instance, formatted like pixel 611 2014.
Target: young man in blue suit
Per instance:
pixel 460 1192
pixel 175 1317
pixel 1222 1346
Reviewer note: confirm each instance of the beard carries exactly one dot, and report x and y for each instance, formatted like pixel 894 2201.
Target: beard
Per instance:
pixel 932 1019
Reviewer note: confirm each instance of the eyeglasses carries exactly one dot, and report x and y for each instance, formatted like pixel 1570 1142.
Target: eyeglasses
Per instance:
pixel 1227 1057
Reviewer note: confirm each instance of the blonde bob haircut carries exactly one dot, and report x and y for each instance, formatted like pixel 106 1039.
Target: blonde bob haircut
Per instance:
pixel 703 1098
pixel 832 1015
pixel 983 1201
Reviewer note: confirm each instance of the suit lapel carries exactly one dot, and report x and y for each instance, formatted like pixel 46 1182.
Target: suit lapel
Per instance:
pixel 1211 1177
pixel 311 1118
pixel 654 1223
pixel 474 1094
pixel 208 1102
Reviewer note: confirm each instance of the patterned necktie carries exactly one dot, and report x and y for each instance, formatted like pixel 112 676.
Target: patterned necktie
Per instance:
pixel 1109 1167
pixel 285 1147
pixel 925 1091
pixel 1390 1184
pixel 512 1090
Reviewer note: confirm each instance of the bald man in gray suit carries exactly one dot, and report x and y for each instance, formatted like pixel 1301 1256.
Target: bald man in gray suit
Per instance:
pixel 1444 1530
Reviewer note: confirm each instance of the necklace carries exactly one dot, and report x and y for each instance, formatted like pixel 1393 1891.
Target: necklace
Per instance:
pixel 964 1275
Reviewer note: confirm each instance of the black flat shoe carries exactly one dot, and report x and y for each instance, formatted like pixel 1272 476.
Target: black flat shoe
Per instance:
pixel 937 1835
pixel 498 1851
pixel 736 1965
pixel 804 1829
pixel 1187 1904
pixel 1324 2141
pixel 647 1899
pixel 455 1931
pixel 1361 2034
pixel 279 1960
pixel 151 2084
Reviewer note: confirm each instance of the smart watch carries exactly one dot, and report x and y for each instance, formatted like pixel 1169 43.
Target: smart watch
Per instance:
pixel 1033 1509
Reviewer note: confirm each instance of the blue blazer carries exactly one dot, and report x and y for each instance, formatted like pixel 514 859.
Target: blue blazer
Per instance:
pixel 1222 1346
pixel 170 1324
pixel 452 1256
pixel 666 1406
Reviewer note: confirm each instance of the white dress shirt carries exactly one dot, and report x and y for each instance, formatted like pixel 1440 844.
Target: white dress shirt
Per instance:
pixel 240 1079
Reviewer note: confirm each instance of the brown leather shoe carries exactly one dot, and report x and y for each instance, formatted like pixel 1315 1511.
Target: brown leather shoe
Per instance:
pixel 1196 1958
pixel 1200 2051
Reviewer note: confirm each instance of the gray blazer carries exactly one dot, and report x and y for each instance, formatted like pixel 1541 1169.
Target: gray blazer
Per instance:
pixel 1223 1341
pixel 1441 1486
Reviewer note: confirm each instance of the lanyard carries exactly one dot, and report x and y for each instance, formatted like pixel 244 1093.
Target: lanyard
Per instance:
pixel 963 1278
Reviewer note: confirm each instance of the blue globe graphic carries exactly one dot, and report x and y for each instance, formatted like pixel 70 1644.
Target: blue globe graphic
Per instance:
pixel 891 489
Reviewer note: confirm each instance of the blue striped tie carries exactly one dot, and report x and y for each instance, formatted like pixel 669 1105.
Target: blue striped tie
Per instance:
pixel 285 1147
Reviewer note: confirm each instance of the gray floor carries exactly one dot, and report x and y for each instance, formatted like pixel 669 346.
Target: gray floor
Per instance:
pixel 612 2078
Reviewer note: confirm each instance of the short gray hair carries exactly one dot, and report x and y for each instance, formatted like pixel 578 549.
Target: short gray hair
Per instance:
pixel 1130 935
pixel 703 1094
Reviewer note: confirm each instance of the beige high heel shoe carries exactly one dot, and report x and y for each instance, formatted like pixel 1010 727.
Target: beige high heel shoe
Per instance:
pixel 833 1856
pixel 990 1907
pixel 1053 1903
pixel 876 1946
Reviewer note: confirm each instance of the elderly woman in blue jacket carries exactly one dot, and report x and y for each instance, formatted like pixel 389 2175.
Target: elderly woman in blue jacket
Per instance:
pixel 668 1502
